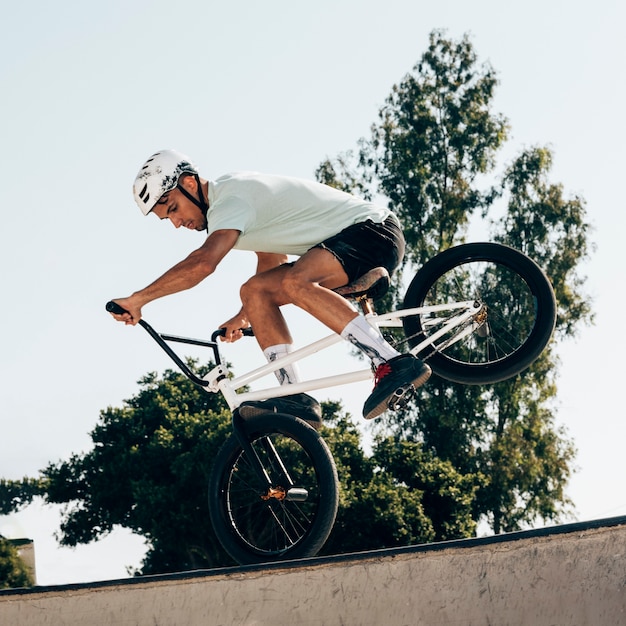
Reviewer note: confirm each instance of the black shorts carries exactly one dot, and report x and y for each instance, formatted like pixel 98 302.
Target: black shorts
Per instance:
pixel 366 245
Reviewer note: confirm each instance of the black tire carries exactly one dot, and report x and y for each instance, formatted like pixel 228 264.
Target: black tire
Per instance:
pixel 257 530
pixel 521 310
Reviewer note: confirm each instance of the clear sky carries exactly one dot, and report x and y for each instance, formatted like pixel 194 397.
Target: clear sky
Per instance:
pixel 90 90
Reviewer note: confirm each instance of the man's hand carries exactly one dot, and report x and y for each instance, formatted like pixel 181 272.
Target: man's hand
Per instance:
pixel 233 327
pixel 133 309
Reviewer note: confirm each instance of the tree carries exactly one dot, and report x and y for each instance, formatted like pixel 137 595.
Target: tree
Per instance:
pixel 13 571
pixel 148 471
pixel 400 495
pixel 529 459
pixel 435 137
pixel 17 494
pixel 435 143
pixel 551 229
pixel 149 466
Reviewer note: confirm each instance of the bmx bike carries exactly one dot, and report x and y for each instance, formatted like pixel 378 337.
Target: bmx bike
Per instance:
pixel 478 313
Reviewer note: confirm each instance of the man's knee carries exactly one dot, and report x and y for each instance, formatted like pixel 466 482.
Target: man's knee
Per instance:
pixel 260 286
pixel 247 290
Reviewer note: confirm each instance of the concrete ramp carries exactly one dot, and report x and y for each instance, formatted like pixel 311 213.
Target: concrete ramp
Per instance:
pixel 566 575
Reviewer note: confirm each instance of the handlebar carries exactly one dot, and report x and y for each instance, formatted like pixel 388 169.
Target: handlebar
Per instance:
pixel 220 332
pixel 161 339
pixel 114 307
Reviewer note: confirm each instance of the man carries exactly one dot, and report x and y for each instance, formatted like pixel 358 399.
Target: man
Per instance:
pixel 336 236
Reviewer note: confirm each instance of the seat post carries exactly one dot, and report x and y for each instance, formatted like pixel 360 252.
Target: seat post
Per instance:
pixel 366 305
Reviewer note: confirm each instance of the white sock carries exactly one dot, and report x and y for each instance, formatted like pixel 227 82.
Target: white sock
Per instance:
pixel 288 373
pixel 368 339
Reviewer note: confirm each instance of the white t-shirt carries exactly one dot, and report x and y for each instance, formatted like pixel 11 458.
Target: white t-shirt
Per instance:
pixel 281 214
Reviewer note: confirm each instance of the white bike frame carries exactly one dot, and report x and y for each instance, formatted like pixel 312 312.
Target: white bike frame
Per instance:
pixel 464 317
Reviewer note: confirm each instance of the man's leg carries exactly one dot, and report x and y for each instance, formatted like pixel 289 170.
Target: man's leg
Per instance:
pixel 308 284
pixel 262 296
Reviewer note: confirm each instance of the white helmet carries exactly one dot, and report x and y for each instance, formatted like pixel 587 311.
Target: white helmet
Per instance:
pixel 159 175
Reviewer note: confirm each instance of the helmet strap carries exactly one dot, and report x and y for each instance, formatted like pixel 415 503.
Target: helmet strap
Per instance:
pixel 200 202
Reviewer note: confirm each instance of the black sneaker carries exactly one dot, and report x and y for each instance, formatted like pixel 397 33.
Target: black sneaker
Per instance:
pixel 393 380
pixel 300 404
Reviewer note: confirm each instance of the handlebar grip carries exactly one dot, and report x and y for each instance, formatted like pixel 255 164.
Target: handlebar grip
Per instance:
pixel 220 332
pixel 114 307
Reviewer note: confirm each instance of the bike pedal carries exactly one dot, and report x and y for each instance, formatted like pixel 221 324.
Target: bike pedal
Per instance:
pixel 401 397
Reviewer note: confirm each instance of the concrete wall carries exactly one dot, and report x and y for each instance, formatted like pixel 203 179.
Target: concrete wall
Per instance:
pixel 570 575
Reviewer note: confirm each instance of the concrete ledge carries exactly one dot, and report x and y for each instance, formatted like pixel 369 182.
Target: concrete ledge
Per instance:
pixel 571 574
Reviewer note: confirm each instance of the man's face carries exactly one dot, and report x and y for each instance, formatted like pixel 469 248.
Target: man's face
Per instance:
pixel 179 210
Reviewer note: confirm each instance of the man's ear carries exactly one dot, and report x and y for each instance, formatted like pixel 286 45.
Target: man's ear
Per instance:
pixel 188 182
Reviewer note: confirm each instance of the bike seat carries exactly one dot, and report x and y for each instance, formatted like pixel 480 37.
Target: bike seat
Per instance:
pixel 373 284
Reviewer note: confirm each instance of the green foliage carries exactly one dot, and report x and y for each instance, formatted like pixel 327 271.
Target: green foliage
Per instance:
pixel 400 495
pixel 551 229
pixel 527 461
pixel 149 467
pixel 436 139
pixel 17 494
pixel 436 135
pixel 148 471
pixel 13 571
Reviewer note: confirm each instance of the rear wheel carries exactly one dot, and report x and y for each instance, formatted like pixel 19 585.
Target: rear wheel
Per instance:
pixel 517 317
pixel 289 517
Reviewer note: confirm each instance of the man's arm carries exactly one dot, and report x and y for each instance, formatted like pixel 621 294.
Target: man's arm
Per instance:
pixel 184 275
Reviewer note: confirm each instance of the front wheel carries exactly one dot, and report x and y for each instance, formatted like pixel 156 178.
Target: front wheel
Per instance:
pixel 286 510
pixel 518 310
